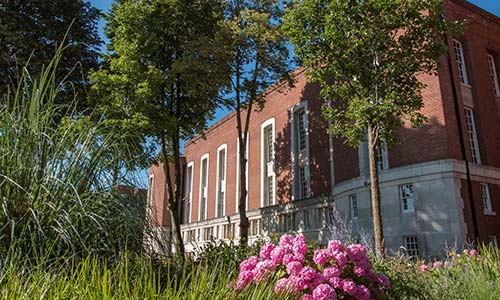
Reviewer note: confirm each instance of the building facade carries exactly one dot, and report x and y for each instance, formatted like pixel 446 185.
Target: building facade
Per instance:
pixel 440 185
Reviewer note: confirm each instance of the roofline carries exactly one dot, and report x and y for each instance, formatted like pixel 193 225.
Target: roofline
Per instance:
pixel 478 10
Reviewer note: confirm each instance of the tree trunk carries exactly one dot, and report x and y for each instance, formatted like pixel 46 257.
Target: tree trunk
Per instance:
pixel 172 202
pixel 375 194
pixel 243 192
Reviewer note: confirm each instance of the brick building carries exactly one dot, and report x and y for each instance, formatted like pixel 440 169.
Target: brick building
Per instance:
pixel 440 185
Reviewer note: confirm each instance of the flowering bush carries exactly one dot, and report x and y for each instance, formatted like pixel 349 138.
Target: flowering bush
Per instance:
pixel 336 272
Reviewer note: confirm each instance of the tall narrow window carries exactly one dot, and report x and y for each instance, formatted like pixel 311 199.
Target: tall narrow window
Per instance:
pixel 493 74
pixel 459 55
pixel 221 180
pixel 353 203
pixel 485 196
pixel 203 187
pixel 406 197
pixel 238 170
pixel 381 153
pixel 300 151
pixel 268 176
pixel 188 193
pixel 150 191
pixel 472 135
pixel 307 219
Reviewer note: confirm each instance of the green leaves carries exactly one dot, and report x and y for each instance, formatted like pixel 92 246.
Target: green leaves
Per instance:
pixel 368 55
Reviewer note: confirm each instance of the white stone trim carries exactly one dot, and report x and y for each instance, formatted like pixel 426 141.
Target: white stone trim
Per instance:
pixel 200 189
pixel 271 122
pixel 238 171
pixel 191 165
pixel 300 159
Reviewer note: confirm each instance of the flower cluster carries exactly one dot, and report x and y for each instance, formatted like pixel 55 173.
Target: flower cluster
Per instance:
pixel 454 260
pixel 336 272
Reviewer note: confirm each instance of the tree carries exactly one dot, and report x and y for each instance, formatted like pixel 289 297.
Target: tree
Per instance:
pixel 32 31
pixel 164 78
pixel 367 56
pixel 257 58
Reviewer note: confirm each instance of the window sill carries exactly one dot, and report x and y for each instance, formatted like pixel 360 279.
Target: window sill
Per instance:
pixel 465 85
pixel 489 213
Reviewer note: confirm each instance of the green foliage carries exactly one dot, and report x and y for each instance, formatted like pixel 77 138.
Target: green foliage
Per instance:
pixel 54 183
pixel 30 31
pixel 367 56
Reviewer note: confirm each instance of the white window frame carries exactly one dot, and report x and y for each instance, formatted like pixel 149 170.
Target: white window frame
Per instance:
pixel 151 184
pixel 410 204
pixel 190 192
pixel 382 156
pixel 354 206
pixel 269 122
pixel 224 184
pixel 485 196
pixel 300 158
pixel 307 219
pixel 207 157
pixel 238 172
pixel 493 73
pixel 460 60
pixel 470 123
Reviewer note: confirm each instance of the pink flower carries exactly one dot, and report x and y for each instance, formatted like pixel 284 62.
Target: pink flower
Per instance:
pixel 362 293
pixel 300 245
pixel 244 279
pixel 424 268
pixel 307 273
pixel 307 297
pixel 317 280
pixel 249 264
pixel 336 282
pixel 299 257
pixel 340 257
pixel 294 268
pixel 349 287
pixel 359 271
pixel 364 264
pixel 265 251
pixel 383 280
pixel 332 271
pixel 437 264
pixel 277 255
pixel 284 285
pixel 356 252
pixel 285 240
pixel 324 292
pixel 262 269
pixel 335 246
pixel 474 253
pixel 321 257
pixel 288 258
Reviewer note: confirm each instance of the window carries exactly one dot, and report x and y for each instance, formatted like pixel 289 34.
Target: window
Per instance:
pixel 221 180
pixel 472 136
pixel 299 140
pixel 406 197
pixel 267 168
pixel 151 191
pixel 353 204
pixel 381 153
pixel 485 196
pixel 459 56
pixel 302 130
pixel 411 246
pixel 188 193
pixel 238 187
pixel 493 74
pixel 304 182
pixel 307 219
pixel 289 222
pixel 255 227
pixel 203 187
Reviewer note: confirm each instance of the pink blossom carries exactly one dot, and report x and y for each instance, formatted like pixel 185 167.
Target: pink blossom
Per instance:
pixel 362 293
pixel 364 264
pixel 294 268
pixel 356 252
pixel 307 297
pixel 265 251
pixel 277 255
pixel 332 271
pixel 317 280
pixel 424 268
pixel 324 292
pixel 284 285
pixel 474 253
pixel 349 287
pixel 307 273
pixel 285 240
pixel 335 246
pixel 437 264
pixel 249 264
pixel 359 271
pixel 300 245
pixel 262 269
pixel 383 280
pixel 288 258
pixel 321 257
pixel 336 282
pixel 244 279
pixel 299 257
pixel 340 257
